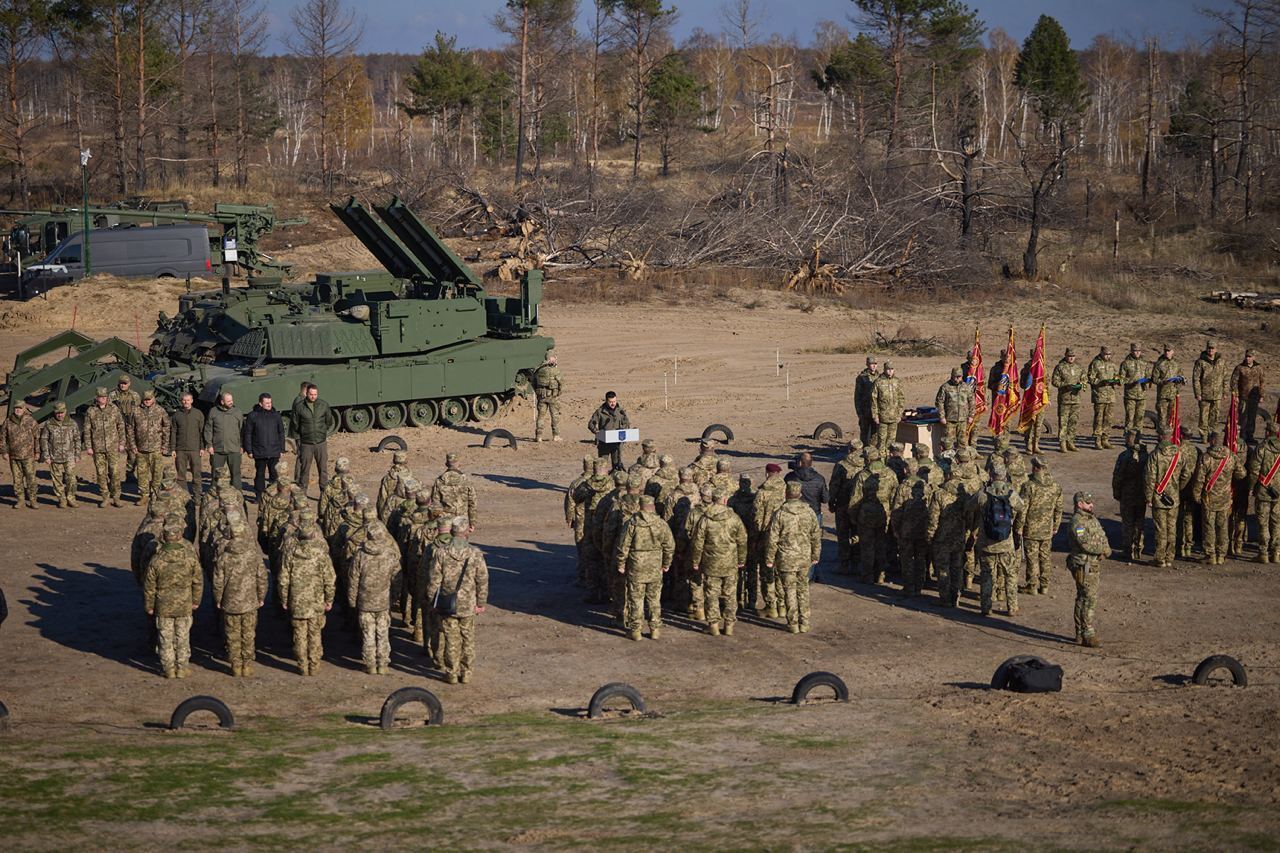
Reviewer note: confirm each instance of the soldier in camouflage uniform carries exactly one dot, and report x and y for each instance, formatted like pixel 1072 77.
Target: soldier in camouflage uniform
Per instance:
pixel 239 589
pixel 573 516
pixel 453 491
pixel 742 502
pixel 306 589
pixel 1127 488
pixel 624 506
pixel 547 382
pixel 896 461
pixel 1104 377
pixel 970 477
pixel 373 567
pixel 645 550
pixel 1209 385
pixel 145 541
pixel 842 475
pixel 106 442
pixel 128 401
pixel 1166 375
pixel 996 556
pixel 1135 376
pixel 954 402
pixel 723 477
pixel 1040 518
pixel 863 392
pixel 719 552
pixel 909 522
pixel 434 537
pixel 929 469
pixel 948 519
pixel 60 447
pixel 176 500
pixel 887 404
pixel 704 466
pixel 692 591
pixel 336 494
pixel 1088 545
pixel 1264 475
pixel 1218 470
pixel 272 510
pixel 769 498
pixel 683 499
pixel 149 442
pixel 602 584
pixel 868 510
pixel 590 494
pixel 1189 510
pixel 1069 378
pixel 1017 467
pixel 459 569
pixel 793 546
pixel 1165 475
pixel 20 441
pixel 648 462
pixel 172 586
pixel 1033 430
pixel 663 482
pixel 390 483
pixel 1247 380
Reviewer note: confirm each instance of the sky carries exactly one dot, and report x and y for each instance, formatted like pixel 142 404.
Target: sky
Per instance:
pixel 397 26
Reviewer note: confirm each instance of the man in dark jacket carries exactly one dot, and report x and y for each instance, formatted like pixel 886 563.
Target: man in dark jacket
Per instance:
pixel 186 437
pixel 309 424
pixel 813 486
pixel 222 438
pixel 610 416
pixel 263 439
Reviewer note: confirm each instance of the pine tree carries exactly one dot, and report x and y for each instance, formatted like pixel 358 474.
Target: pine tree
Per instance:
pixel 674 105
pixel 1048 72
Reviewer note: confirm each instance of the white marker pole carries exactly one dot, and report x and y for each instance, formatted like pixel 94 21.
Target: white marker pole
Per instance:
pixel 777 361
pixel 676 362
pixel 788 384
pixel 664 390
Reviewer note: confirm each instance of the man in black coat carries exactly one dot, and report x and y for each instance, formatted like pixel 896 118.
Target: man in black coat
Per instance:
pixel 263 438
pixel 813 486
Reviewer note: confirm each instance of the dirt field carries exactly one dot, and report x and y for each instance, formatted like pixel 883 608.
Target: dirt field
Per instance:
pixel 924 756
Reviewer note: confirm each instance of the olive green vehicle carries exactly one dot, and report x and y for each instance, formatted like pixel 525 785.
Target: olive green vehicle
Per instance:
pixel 419 342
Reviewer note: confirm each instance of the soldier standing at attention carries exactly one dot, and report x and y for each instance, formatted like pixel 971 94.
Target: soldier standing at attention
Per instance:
pixel 1039 521
pixel 1068 377
pixel 645 550
pixel 1037 421
pixel 1209 383
pixel 704 465
pixel 1088 547
pixel 1127 488
pixel 792 547
pixel 993 513
pixel 105 441
pixel 458 589
pixel 372 567
pixel 868 510
pixel 306 590
pixel 1189 509
pixel 60 447
pixel 453 493
pixel 128 402
pixel 186 431
pixel 648 462
pixel 948 518
pixel 390 482
pixel 769 497
pixel 20 441
pixel 610 416
pixel 888 404
pixel 1164 477
pixel 909 521
pixel 863 393
pixel 1264 475
pixel 1166 375
pixel 149 439
pixel 309 424
pixel 842 475
pixel 1103 379
pixel 239 589
pixel 546 387
pixel 172 585
pixel 719 551
pixel 573 515
pixel 222 439
pixel 954 402
pixel 1217 470
pixel 1135 375
pixel 1247 380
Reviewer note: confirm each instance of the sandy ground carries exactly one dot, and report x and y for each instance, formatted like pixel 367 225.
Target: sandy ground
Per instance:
pixel 1126 729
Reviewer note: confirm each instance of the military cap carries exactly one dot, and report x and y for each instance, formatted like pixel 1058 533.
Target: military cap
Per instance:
pixel 871 454
pixel 620 477
pixel 1134 347
pixel 1039 462
pixel 964 454
pixel 910 465
pixel 233 516
pixel 361 500
pixel 895 447
pixel 947 442
pixel 1210 345
pixel 369 512
pixel 341 464
pixel 871 359
pixel 855 443
pixel 793 490
pixel 459 524
pixel 1010 453
pixel 444 522
pixel 1106 350
pixel 723 464
pixel 155 510
pixel 635 481
pixel 306 515
pixel 1083 497
pixel 1164 432
pixel 171 533
pixel 400 457
pixel 602 466
pixel 719 494
pixel 773 468
pixel 59 406
pixel 168 477
pixel 648 444
pixel 687 473
pixel 998 470
pixel 148 394
pixel 100 391
pixel 921 450
pixel 124 380
pixel 19 404
pixel 450 458
pixel 706 490
pixel 647 502
pixel 1251 352
pixel 1070 352
pixel 411 484
pixel 957 373
pixel 422 498
pixel 666 459
pixel 587 462
pixel 888 365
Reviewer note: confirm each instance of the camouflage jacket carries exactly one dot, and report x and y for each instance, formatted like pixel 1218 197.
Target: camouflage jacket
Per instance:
pixel 793 542
pixel 104 430
pixel 387 489
pixel 1191 456
pixel 1158 463
pixel 645 466
pixel 149 431
pixel 599 514
pixel 930 470
pixel 454 493
pixel 1104 376
pixel 1164 375
pixel 887 399
pixel 623 508
pixel 126 401
pixel 1261 461
pixel 660 486
pixel 871 496
pixel 273 510
pixel 573 509
pixel 145 541
pixel 459 568
pixel 1128 476
pixel 1133 372
pixel 863 392
pixel 306 579
pixel 1043 511
pixel 1088 540
pixel 842 474
pixel 20 437
pixel 1209 378
pixel 172 582
pixel 646 547
pixel 1247 381
pixel 948 517
pixel 1019 471
pixel 431 542
pixel 719 542
pixel 681 500
pixel 335 494
pixel 1069 379
pixel 240 578
pixel 954 402
pixel 909 509
pixel 1217 497
pixel 371 576
pixel 546 382
pixel 60 440
pixel 977 509
pixel 769 497
pixel 703 467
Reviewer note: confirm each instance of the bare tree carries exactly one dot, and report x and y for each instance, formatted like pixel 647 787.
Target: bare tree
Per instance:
pixel 246 23
pixel 639 25
pixel 326 32
pixel 21 25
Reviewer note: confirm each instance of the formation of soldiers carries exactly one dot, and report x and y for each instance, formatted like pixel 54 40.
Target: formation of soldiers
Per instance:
pixel 407 552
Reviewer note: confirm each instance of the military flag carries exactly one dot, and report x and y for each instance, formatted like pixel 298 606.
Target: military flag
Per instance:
pixel 1175 422
pixel 976 378
pixel 1004 399
pixel 1233 426
pixel 1036 391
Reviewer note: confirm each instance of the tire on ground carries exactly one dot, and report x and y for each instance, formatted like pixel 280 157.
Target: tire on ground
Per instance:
pixel 718 428
pixel 500 435
pixel 203 703
pixel 4 718
pixel 408 695
pixel 614 690
pixel 392 442
pixel 1000 680
pixel 828 426
pixel 813 680
pixel 1213 663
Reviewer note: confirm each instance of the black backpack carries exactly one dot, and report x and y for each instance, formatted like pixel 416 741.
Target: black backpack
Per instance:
pixel 1034 676
pixel 997 522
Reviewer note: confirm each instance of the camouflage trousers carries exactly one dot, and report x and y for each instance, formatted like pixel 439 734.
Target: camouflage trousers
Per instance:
pixel 24 479
pixel 173 642
pixel 431 636
pixel 1033 434
pixel 1039 565
pixel 948 561
pixel 583 580
pixel 872 548
pixel 913 560
pixel 375 640
pixel 1164 410
pixel 109 468
pixel 1189 512
pixel 65 482
pixel 1247 412
pixel 998 569
pixel 720 592
pixel 1268 531
pixel 240 630
pixel 1134 411
pixel 795 597
pixel 1166 523
pixel 1217 534
pixel 594 569
pixel 643 594
pixel 1209 418
pixel 1133 519
pixel 1086 574
pixel 548 410
pixel 1101 424
pixel 956 430
pixel 308 646
pixel 459 646
pixel 884 437
pixel 1068 424
pixel 147 470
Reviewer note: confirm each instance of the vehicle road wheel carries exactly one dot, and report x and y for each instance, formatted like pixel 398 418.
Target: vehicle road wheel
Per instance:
pixel 484 407
pixel 422 413
pixel 453 412
pixel 332 423
pixel 357 419
pixel 390 415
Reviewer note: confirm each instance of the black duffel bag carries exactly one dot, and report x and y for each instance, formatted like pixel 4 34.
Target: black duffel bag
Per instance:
pixel 1034 676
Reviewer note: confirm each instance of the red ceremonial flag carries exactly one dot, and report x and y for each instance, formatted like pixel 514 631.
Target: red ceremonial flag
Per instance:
pixel 1036 392
pixel 977 380
pixel 1175 422
pixel 1004 400
pixel 1233 426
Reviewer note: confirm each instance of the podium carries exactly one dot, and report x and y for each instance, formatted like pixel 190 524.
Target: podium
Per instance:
pixel 617 436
